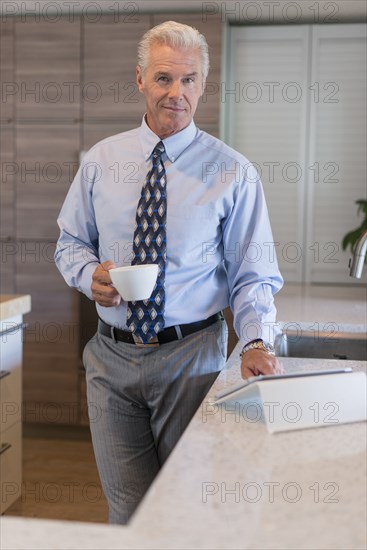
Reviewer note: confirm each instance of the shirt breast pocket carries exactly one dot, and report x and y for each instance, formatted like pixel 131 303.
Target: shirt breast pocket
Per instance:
pixel 190 229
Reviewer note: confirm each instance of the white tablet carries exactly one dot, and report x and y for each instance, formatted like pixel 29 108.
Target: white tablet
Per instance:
pixel 295 401
pixel 231 391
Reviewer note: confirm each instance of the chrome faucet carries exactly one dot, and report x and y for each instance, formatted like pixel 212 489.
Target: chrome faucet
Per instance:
pixel 360 249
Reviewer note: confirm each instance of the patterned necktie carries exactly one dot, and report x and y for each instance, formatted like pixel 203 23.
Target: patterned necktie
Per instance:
pixel 146 317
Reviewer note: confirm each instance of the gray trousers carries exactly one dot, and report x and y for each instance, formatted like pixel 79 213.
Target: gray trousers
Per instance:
pixel 140 400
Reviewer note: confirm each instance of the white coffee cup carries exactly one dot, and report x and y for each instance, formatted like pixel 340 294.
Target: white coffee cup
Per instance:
pixel 134 282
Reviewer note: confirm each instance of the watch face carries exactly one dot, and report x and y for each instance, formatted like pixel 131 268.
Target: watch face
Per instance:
pixel 269 347
pixel 265 346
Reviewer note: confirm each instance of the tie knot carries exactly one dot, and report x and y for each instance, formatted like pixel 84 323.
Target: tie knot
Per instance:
pixel 158 150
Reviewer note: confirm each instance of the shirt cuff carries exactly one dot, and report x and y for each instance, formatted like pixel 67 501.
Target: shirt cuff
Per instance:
pixel 85 280
pixel 256 330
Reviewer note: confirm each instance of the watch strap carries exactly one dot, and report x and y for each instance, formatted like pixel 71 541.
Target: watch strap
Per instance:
pixel 258 344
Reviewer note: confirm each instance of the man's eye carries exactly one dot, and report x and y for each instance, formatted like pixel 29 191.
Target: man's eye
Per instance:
pixel 188 80
pixel 162 79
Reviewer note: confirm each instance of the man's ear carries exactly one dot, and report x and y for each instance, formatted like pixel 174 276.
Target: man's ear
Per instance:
pixel 139 79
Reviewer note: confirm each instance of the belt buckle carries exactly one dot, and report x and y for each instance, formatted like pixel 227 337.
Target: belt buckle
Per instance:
pixel 138 342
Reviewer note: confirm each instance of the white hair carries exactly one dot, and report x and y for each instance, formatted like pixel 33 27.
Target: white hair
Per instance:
pixel 175 35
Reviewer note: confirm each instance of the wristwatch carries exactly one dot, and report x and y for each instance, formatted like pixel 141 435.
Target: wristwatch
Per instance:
pixel 258 344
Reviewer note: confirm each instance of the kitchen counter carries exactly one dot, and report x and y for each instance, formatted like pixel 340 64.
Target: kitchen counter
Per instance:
pixel 12 309
pixel 229 484
pixel 323 308
pixel 12 305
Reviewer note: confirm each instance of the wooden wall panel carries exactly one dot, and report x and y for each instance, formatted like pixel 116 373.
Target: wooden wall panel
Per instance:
pixel 48 69
pixel 51 341
pixel 7 266
pixel 47 149
pixel 50 384
pixel 47 156
pixel 52 300
pixel 109 68
pixel 8 169
pixel 96 131
pixel 8 87
pixel 7 158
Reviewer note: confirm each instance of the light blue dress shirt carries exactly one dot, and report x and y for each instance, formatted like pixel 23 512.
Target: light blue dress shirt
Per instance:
pixel 219 243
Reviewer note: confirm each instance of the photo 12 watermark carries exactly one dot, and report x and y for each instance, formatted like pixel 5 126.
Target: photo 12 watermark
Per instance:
pixel 70 11
pixel 271 11
pixel 252 412
pixel 69 92
pixel 272 92
pixel 290 252
pixel 272 492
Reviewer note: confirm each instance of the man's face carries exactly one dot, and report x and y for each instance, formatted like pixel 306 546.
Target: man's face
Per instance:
pixel 172 85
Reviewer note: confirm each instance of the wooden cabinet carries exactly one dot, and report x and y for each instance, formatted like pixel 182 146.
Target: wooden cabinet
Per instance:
pixel 11 371
pixel 11 329
pixel 10 465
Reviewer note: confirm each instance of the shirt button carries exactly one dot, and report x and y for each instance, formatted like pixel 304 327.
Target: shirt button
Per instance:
pixel 173 159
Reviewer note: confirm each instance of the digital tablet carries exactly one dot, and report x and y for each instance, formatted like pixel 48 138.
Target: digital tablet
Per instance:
pixel 222 395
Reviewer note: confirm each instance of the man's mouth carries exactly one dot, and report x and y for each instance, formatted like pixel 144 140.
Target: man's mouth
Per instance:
pixel 174 108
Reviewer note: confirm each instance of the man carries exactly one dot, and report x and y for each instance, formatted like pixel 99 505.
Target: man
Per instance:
pixel 151 363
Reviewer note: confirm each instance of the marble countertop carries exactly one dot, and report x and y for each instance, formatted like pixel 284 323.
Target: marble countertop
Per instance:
pixel 14 304
pixel 320 307
pixel 230 484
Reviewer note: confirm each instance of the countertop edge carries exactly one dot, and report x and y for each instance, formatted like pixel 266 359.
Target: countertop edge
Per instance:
pixel 14 304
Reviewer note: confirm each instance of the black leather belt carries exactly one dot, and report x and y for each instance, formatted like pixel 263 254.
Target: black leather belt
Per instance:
pixel 169 334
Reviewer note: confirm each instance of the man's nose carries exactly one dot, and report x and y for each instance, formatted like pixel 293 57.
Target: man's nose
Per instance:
pixel 176 89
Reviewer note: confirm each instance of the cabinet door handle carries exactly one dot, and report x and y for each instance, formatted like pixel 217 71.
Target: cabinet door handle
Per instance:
pixel 4 373
pixel 4 447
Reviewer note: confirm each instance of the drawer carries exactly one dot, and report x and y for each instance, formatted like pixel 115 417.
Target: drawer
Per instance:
pixel 10 377
pixel 10 466
pixel 10 397
pixel 11 344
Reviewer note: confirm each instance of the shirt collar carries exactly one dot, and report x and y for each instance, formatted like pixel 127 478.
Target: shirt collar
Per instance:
pixel 174 145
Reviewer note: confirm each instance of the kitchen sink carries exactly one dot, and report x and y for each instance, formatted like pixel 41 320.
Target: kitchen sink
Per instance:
pixel 352 346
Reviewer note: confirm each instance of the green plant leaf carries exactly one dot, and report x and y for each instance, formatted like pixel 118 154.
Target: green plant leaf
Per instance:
pixel 350 239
